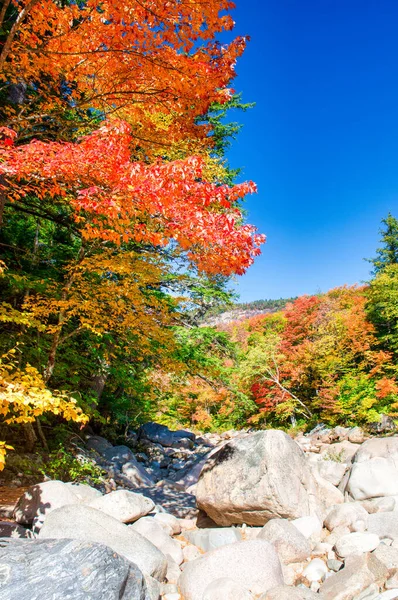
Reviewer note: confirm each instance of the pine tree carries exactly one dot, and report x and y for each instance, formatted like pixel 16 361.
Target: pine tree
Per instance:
pixel 388 253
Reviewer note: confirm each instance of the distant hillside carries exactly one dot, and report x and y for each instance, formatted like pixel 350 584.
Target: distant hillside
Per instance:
pixel 243 310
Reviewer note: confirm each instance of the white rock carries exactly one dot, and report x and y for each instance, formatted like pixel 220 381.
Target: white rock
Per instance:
pixel 388 595
pixel 346 515
pixel 154 532
pixel 41 499
pixel 170 521
pixel 254 564
pixel 315 571
pixel 226 589
pixel 289 542
pixel 356 543
pixel 385 525
pixel 332 471
pixel 123 505
pixel 191 553
pixel 257 478
pixel 310 527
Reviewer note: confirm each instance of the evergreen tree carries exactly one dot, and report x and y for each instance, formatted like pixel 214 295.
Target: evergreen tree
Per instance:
pixel 388 253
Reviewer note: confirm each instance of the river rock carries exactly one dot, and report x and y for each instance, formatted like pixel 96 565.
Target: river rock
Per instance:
pixel 60 569
pixel 356 543
pixel 209 539
pixel 359 573
pixel 286 592
pixel 98 443
pixel 289 543
pixel 154 532
pixel 257 478
pixel 226 589
pixel 388 556
pixel 374 472
pixel 385 525
pixel 253 564
pixel 41 499
pixel 88 524
pixel 346 515
pixel 85 493
pixel 123 505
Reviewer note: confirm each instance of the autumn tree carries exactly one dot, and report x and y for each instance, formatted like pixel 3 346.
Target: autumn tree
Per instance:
pixel 112 189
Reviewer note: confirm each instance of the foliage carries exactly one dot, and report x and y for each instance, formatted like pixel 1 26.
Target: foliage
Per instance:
pixel 387 254
pixel 64 466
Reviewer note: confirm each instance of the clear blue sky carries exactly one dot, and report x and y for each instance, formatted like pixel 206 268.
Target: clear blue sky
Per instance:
pixel 322 141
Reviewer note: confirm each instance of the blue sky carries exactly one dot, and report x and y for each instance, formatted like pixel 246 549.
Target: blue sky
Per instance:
pixel 322 141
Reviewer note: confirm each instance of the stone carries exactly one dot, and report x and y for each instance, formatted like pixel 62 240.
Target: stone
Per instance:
pixel 327 493
pixel 85 493
pixel 60 569
pixel 375 469
pixel 359 573
pixel 173 570
pixel 13 530
pixel 162 435
pixel 356 435
pixel 356 543
pixel 154 532
pixel 345 515
pixel 289 543
pixel 385 525
pixel 384 425
pixel 41 499
pixel 341 452
pixel 136 474
pixel 254 564
pixel 191 552
pixel 84 523
pixel 124 505
pixel 388 595
pixel 167 520
pixel 334 565
pixel 286 592
pixel 373 478
pixel 388 556
pixel 257 478
pixel 209 539
pixel 98 443
pixel 310 527
pixel 226 589
pixel 315 570
pixel 153 587
pixel 332 471
pixel 375 505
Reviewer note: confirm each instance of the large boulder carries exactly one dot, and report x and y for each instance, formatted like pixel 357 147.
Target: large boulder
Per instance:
pixel 98 443
pixel 253 564
pixel 60 569
pixel 374 471
pixel 257 478
pixel 41 499
pixel 88 524
pixel 123 505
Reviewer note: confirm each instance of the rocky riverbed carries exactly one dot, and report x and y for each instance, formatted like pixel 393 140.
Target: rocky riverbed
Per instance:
pixel 237 516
